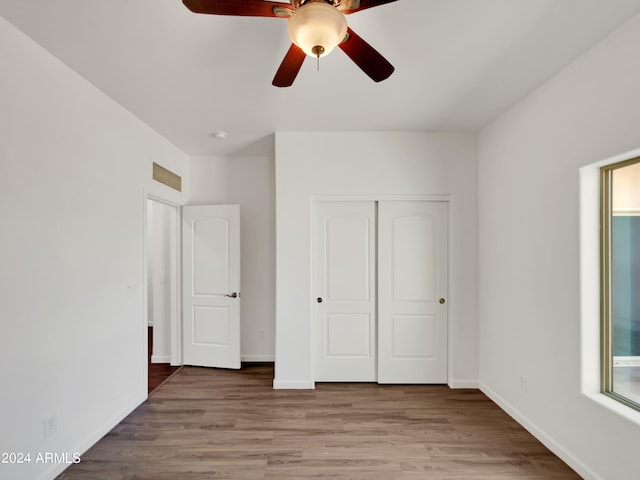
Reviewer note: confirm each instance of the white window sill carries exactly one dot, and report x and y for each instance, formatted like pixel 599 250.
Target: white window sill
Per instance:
pixel 614 406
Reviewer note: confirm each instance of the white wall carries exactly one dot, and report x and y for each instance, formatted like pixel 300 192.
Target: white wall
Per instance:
pixel 207 180
pixel 73 168
pixel 351 163
pixel 531 321
pixel 250 182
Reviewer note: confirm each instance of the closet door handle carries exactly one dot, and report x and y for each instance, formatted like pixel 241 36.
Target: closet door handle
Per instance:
pixel 319 300
pixel 233 295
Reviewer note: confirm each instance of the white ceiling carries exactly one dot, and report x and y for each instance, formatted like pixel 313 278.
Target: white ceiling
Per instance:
pixel 459 64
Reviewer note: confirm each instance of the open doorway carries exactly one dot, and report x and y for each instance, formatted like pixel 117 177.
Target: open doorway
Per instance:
pixel 158 373
pixel 162 272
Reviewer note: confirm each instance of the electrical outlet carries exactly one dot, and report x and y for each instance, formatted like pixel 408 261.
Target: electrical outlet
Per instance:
pixel 50 426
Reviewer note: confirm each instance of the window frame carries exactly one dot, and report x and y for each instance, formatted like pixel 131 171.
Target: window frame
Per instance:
pixel 606 335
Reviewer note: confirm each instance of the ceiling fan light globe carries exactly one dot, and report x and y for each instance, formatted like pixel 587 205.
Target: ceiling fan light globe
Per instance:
pixel 317 24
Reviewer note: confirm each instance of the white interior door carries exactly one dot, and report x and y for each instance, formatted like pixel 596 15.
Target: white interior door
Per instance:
pixel 345 291
pixel 412 287
pixel 211 286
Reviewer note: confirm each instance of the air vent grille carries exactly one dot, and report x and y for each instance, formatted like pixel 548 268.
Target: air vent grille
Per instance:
pixel 167 177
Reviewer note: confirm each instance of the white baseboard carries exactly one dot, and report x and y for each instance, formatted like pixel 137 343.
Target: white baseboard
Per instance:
pixel 258 358
pixel 92 439
pixel 463 383
pixel 160 358
pixel 293 384
pixel 583 470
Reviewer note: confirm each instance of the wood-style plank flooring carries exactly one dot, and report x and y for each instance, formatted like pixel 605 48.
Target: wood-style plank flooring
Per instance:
pixel 208 424
pixel 158 372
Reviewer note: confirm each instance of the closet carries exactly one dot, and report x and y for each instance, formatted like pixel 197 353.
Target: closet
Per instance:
pixel 380 288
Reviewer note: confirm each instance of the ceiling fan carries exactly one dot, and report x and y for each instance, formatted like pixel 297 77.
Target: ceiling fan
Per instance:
pixel 315 26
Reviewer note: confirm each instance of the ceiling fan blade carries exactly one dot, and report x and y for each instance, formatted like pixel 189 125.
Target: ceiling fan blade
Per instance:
pixel 366 57
pixel 289 68
pixel 246 8
pixel 364 4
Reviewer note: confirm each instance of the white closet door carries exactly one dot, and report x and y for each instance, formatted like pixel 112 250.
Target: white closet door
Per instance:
pixel 412 283
pixel 345 291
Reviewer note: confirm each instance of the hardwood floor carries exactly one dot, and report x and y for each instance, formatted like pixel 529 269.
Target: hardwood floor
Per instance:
pixel 158 372
pixel 210 424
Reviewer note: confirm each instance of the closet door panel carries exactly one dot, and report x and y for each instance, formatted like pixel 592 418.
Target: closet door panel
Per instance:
pixel 345 295
pixel 412 278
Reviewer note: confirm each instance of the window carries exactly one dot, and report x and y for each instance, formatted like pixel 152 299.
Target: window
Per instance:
pixel 620 226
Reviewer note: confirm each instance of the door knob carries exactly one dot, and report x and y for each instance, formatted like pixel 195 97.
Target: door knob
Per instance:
pixel 319 300
pixel 442 300
pixel 233 295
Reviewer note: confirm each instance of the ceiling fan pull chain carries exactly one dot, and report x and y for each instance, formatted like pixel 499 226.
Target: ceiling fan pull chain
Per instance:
pixel 317 51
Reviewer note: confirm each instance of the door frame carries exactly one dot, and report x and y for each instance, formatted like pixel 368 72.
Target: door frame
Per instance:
pixel 175 277
pixel 444 198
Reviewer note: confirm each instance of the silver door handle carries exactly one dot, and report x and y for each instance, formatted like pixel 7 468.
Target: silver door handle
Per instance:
pixel 233 295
